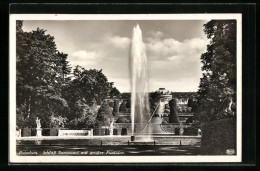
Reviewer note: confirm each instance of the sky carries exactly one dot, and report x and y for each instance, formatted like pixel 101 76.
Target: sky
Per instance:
pixel 173 49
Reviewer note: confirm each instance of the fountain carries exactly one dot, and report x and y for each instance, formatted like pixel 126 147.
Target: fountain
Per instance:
pixel 140 112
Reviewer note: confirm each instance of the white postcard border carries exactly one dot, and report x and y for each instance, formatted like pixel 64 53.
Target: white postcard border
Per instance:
pixel 13 158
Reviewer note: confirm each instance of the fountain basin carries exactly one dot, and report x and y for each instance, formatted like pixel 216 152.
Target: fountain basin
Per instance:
pixel 109 140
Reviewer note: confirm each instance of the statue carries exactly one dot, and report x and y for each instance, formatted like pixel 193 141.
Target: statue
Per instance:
pixel 225 109
pixel 38 123
pixel 199 132
pixel 181 129
pixel 111 127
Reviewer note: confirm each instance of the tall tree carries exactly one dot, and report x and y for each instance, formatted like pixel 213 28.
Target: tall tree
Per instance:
pixel 104 115
pixel 219 67
pixel 38 81
pixel 173 118
pixel 87 87
pixel 88 84
pixel 65 66
pixel 114 92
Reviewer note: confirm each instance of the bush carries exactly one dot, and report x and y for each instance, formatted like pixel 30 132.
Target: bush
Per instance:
pixel 124 131
pixel 114 131
pixel 128 104
pixel 26 132
pixel 122 107
pixel 123 119
pixel 46 132
pixel 173 118
pixel 177 131
pixel 33 132
pixel 116 108
pixel 190 103
pixel 111 104
pixel 104 115
pixel 107 132
pixel 218 136
pixel 190 131
pixel 54 132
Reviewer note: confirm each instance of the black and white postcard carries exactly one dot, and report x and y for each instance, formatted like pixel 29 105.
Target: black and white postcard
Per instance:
pixel 124 88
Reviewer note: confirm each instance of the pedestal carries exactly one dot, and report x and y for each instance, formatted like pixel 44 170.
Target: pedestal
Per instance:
pixel 110 131
pixel 181 131
pixel 39 132
pixel 91 132
pixel 20 133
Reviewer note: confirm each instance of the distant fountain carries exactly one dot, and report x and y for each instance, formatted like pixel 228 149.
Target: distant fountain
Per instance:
pixel 140 113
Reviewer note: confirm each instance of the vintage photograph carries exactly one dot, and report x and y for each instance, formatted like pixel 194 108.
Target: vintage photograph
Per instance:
pixel 125 88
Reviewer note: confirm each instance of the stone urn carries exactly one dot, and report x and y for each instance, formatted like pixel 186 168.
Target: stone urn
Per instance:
pixel 181 131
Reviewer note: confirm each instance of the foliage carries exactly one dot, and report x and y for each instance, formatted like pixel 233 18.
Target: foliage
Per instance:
pixel 114 92
pixel 190 103
pixel 104 115
pixel 173 118
pixel 128 104
pixel 39 73
pixel 47 89
pixel 219 68
pixel 116 108
pixel 92 85
pixel 122 107
pixel 57 122
pixel 123 119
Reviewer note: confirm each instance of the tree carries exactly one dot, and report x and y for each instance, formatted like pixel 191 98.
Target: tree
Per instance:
pixel 104 115
pixel 190 102
pixel 128 104
pixel 116 108
pixel 114 92
pixel 66 68
pixel 38 77
pixel 219 67
pixel 88 84
pixel 122 107
pixel 173 118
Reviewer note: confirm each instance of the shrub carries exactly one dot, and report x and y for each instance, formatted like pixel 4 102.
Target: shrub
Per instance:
pixel 128 104
pixel 123 119
pixel 54 132
pixel 173 118
pixel 46 132
pixel 116 108
pixel 218 136
pixel 104 115
pixel 124 131
pixel 122 107
pixel 26 132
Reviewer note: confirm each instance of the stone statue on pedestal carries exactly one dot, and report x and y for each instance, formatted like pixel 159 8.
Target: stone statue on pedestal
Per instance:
pixel 38 128
pixel 111 127
pixel 38 123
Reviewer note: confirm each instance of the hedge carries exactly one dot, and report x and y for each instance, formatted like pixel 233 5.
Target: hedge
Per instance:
pixel 218 136
pixel 26 132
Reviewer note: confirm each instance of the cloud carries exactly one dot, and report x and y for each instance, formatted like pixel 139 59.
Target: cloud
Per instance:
pixel 88 58
pixel 119 42
pixel 155 34
pixel 172 63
